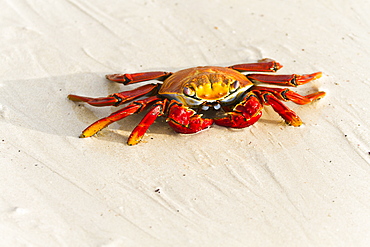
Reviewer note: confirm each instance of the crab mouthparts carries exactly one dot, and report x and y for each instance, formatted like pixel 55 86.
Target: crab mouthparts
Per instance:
pixel 207 105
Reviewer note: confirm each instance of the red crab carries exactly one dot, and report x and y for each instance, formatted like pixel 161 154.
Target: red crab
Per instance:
pixel 183 95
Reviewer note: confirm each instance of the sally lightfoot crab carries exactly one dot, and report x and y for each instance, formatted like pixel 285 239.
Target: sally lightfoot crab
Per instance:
pixel 183 95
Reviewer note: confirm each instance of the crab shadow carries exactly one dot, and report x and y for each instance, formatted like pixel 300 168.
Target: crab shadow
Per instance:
pixel 41 104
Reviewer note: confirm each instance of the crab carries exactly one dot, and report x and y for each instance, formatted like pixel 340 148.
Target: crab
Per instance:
pixel 184 95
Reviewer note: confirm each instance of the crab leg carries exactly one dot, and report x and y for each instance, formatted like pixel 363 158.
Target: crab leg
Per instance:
pixel 185 120
pixel 263 65
pixel 139 131
pixel 287 80
pixel 272 96
pixel 135 107
pixel 138 77
pixel 286 94
pixel 287 114
pixel 117 98
pixel 243 114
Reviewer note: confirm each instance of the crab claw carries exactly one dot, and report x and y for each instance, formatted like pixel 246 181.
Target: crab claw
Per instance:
pixel 243 115
pixel 185 120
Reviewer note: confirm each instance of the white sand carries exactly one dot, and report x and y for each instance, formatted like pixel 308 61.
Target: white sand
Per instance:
pixel 267 185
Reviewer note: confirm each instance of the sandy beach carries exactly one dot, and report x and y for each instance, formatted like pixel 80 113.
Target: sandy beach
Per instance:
pixel 266 185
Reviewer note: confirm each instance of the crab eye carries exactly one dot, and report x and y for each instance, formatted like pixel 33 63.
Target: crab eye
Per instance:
pixel 234 86
pixel 189 91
